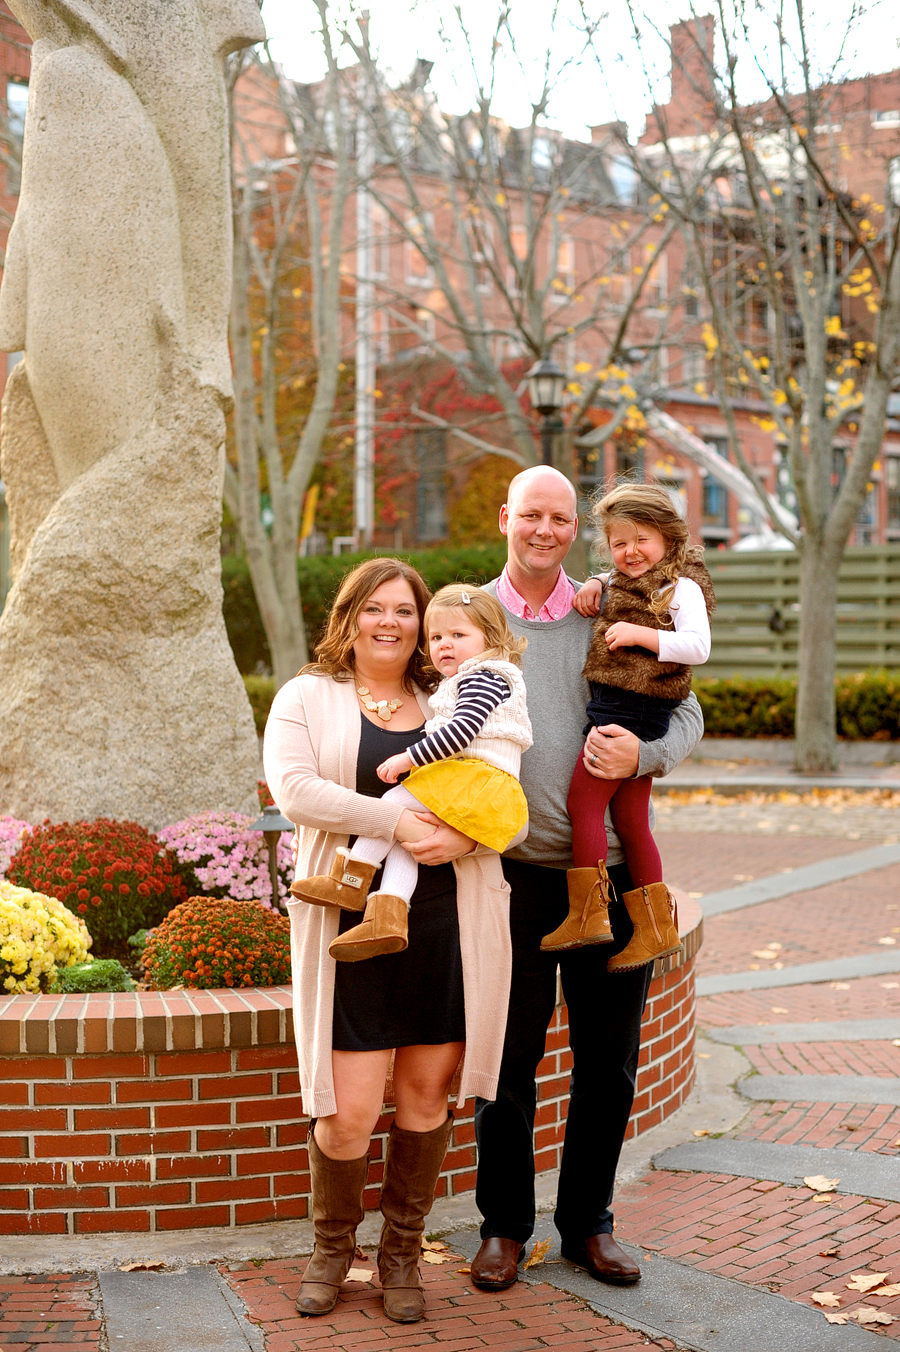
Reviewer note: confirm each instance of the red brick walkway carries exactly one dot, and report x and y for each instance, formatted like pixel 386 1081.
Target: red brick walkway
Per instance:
pixel 770 1234
pixel 58 1312
pixel 460 1318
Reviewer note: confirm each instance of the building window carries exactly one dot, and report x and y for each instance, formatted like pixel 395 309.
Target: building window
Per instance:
pixel 892 484
pixel 714 509
pixel 16 107
pixel 416 265
pixel 693 365
pixel 630 463
pixel 867 519
pixel 564 275
pixel 431 484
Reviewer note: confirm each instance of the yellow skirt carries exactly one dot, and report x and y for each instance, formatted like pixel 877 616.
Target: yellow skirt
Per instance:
pixel 478 799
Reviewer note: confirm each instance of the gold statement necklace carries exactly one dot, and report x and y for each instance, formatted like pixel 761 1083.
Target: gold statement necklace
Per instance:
pixel 382 708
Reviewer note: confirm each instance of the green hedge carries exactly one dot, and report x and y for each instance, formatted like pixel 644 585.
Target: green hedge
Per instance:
pixel 319 580
pixel 868 705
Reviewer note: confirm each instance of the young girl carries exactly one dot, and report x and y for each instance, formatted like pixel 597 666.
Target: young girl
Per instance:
pixel 653 627
pixel 465 770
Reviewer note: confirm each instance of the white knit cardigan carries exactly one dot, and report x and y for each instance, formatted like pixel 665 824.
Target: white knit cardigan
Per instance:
pixel 310 753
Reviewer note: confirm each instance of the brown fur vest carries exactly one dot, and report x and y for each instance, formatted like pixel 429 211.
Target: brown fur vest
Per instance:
pixel 639 669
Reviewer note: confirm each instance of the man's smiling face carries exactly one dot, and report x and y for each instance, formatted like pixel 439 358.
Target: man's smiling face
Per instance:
pixel 539 522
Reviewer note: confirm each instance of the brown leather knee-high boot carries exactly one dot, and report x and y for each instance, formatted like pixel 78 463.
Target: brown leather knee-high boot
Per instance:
pixel 588 918
pixel 411 1167
pixel 337 1204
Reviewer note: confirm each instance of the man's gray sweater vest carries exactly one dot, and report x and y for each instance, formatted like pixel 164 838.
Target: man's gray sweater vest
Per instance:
pixel 557 697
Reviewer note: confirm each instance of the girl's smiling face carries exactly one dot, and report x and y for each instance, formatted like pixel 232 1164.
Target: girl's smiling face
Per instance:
pixel 452 639
pixel 636 546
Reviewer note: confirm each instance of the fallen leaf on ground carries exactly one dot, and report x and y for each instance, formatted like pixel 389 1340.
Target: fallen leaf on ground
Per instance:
pixel 840 985
pixel 443 1257
pixel 895 1042
pixel 888 939
pixel 819 1183
pixel 704 1056
pixel 824 1197
pixel 828 1298
pixel 777 1009
pixel 360 1275
pixel 360 1253
pixel 434 1245
pixel 890 985
pixel 702 1131
pixel 147 1266
pixel 864 1281
pixel 828 1253
pixel 464 1271
pixel 892 1289
pixel 869 1315
pixel 538 1253
pixel 837 1318
pixel 764 953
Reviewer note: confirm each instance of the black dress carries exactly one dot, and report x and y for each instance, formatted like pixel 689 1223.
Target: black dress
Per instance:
pixel 402 999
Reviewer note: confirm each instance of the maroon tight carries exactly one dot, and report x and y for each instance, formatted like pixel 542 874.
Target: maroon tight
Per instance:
pixel 629 805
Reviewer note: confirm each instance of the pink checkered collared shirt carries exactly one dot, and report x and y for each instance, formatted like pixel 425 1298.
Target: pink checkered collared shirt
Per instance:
pixel 557 605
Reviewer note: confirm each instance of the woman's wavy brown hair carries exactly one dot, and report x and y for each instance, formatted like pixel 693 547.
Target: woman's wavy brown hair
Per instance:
pixel 648 505
pixel 334 652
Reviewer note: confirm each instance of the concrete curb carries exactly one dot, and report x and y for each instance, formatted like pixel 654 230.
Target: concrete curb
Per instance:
pixel 762 1034
pixel 803 974
pixel 821 1089
pixel 805 879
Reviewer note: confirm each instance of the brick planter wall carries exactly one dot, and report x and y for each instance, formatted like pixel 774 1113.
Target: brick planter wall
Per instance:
pixel 166 1111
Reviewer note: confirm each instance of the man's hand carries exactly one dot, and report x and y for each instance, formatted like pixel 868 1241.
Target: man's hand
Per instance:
pixel 444 843
pixel 625 635
pixel 611 752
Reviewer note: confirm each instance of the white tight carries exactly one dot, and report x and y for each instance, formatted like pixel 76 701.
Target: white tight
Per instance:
pixel 401 872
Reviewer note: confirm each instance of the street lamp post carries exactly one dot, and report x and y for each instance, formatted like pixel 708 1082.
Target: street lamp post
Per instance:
pixel 272 823
pixel 546 383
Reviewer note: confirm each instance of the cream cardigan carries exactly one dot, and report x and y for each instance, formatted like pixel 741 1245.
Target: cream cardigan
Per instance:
pixel 310 752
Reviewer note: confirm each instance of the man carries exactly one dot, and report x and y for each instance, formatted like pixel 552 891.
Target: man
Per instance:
pixel 540 522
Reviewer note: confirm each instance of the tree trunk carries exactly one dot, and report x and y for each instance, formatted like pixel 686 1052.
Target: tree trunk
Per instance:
pixel 815 750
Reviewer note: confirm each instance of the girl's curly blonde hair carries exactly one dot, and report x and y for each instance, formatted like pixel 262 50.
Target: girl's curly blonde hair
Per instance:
pixel 648 505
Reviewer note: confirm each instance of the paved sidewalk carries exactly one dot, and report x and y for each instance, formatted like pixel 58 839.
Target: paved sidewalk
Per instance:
pixel 731 1241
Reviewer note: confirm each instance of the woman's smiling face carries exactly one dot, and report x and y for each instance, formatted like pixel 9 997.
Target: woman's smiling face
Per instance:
pixel 388 631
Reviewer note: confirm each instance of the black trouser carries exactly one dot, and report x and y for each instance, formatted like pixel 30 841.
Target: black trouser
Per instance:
pixel 605 1013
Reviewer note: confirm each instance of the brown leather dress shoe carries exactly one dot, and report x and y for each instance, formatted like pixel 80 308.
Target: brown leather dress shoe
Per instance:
pixel 603 1259
pixel 496 1264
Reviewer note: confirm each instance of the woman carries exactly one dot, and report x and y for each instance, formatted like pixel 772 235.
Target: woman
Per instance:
pixel 363 700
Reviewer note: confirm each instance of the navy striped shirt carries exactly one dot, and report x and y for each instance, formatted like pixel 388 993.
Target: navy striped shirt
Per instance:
pixel 478 695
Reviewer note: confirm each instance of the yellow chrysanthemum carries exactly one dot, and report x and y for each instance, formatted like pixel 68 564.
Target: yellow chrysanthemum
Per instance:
pixel 37 935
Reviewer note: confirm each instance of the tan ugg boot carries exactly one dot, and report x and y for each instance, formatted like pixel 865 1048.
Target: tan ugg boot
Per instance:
pixel 347 885
pixel 588 918
pixel 412 1163
pixel 337 1207
pixel 383 929
pixel 654 915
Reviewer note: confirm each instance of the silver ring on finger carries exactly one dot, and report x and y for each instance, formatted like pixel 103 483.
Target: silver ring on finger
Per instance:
pixel 593 760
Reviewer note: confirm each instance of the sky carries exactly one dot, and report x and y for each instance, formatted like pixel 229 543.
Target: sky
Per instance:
pixel 611 81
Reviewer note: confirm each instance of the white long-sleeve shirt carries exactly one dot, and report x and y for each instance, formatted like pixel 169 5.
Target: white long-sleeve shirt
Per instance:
pixel 691 640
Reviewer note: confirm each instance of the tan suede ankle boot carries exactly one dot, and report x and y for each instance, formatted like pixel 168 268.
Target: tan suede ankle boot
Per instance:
pixel 412 1163
pixel 588 918
pixel 654 915
pixel 337 1207
pixel 346 886
pixel 383 929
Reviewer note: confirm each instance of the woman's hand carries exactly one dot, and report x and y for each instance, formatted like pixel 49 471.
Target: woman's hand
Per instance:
pixel 443 844
pixel 395 766
pixel 295 848
pixel 587 598
pixel 624 635
pixel 410 829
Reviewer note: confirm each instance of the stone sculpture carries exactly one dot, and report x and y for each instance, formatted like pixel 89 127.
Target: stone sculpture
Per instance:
pixel 118 691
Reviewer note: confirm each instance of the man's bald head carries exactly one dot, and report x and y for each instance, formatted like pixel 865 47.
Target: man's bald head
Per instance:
pixel 540 521
pixel 543 479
